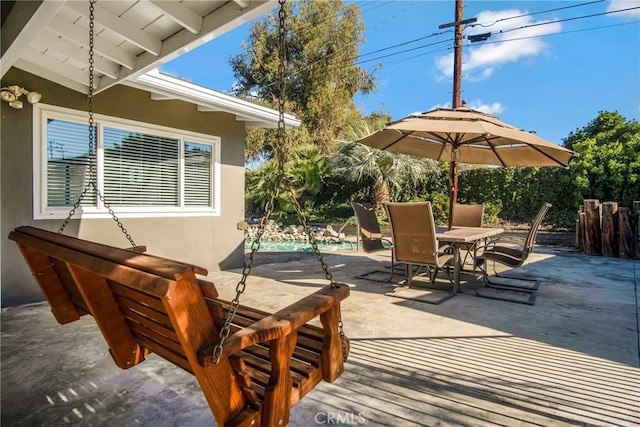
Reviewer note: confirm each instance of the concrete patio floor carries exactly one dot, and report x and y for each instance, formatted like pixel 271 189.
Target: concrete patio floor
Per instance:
pixel 570 359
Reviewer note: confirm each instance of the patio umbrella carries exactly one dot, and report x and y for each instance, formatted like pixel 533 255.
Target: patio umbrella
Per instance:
pixel 463 135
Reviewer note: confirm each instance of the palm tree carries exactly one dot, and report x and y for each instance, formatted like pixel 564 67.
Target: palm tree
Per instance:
pixel 389 172
pixel 304 175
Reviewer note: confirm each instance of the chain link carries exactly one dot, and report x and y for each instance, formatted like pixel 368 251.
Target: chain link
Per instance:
pixel 92 139
pixel 246 270
pixel 314 244
pixel 279 148
pixel 275 192
pixel 311 237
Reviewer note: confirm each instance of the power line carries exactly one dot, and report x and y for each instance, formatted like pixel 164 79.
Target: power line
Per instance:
pixel 359 59
pixel 338 66
pixel 568 19
pixel 403 51
pixel 405 43
pixel 391 18
pixel 503 31
pixel 558 33
pixel 377 5
pixel 538 13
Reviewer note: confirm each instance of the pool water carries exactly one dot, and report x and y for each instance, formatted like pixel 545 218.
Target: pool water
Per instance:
pixel 291 246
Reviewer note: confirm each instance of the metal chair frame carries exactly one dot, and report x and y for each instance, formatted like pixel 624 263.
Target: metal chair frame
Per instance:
pixel 371 240
pixel 415 222
pixel 505 250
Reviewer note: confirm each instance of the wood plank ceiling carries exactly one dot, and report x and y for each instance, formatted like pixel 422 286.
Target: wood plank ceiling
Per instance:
pixel 51 38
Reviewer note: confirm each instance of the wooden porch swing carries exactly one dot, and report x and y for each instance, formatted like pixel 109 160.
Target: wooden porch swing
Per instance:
pixel 252 366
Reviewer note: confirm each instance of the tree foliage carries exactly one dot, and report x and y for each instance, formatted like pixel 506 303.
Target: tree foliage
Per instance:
pixel 383 175
pixel 608 168
pixel 304 176
pixel 323 39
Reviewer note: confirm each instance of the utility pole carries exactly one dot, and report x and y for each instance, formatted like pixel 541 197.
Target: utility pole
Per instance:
pixel 459 24
pixel 457 54
pixel 457 78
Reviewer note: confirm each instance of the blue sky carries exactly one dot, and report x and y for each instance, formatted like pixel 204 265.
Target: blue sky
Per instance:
pixel 547 67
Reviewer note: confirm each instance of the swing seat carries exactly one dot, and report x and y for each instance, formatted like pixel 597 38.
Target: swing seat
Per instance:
pixel 147 304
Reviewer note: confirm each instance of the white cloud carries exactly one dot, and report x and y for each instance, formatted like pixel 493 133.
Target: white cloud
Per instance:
pixel 624 4
pixel 493 108
pixel 509 42
pixel 445 105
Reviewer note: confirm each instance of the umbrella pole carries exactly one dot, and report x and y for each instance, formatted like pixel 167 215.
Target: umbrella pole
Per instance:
pixel 453 183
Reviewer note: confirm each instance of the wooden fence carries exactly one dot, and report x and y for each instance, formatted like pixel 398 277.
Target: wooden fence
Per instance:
pixel 608 230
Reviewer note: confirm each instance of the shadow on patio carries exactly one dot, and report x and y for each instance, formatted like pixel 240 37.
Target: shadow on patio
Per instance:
pixel 585 304
pixel 484 380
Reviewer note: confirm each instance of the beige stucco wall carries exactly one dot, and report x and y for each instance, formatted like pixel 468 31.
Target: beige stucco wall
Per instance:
pixel 211 242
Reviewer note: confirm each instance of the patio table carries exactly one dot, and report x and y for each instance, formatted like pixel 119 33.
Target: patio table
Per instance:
pixel 459 235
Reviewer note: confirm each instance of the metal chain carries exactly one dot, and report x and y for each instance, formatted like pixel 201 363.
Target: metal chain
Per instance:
pixel 279 148
pixel 314 244
pixel 246 270
pixel 280 152
pixel 325 268
pixel 275 192
pixel 92 138
pixel 311 237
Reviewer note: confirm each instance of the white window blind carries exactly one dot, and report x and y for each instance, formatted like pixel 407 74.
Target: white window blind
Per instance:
pixel 140 169
pixel 68 163
pixel 197 174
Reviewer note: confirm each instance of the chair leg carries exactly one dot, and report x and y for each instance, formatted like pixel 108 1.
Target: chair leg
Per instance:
pixel 404 291
pixel 525 284
pixel 510 294
pixel 370 273
pixel 388 280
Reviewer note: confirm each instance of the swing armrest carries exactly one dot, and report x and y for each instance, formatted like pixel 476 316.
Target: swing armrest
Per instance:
pixel 279 324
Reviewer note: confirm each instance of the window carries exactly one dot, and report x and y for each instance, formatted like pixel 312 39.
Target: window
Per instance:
pixel 140 169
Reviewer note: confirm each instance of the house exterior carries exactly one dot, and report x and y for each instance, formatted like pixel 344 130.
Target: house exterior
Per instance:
pixel 169 155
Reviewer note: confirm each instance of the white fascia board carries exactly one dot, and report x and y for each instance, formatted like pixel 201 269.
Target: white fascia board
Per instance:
pixel 171 87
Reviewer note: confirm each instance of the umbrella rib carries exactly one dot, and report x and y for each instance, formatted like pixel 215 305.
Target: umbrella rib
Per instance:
pixel 493 148
pixel 402 135
pixel 535 147
pixel 444 143
pixel 547 156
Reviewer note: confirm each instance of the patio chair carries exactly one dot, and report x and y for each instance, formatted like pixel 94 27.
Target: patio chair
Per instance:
pixel 414 242
pixel 511 252
pixel 370 236
pixel 468 216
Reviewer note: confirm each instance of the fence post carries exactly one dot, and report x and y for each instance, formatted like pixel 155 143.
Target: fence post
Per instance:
pixel 635 224
pixel 592 235
pixel 610 229
pixel 625 227
pixel 580 228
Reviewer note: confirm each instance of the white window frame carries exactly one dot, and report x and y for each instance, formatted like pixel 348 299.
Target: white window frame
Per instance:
pixel 43 112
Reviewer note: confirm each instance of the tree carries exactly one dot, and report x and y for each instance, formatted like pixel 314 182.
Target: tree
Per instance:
pixel 304 176
pixel 322 79
pixel 388 174
pixel 608 168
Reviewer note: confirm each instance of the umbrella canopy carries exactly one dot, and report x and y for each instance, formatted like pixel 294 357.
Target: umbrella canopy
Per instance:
pixel 463 135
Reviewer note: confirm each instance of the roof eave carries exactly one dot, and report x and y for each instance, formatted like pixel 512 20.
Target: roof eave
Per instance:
pixel 168 87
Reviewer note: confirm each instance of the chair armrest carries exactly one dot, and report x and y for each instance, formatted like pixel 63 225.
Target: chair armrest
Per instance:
pixel 500 241
pixel 507 239
pixel 442 249
pixel 279 324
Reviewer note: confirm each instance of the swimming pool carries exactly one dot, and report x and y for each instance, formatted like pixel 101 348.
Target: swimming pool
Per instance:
pixel 295 246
